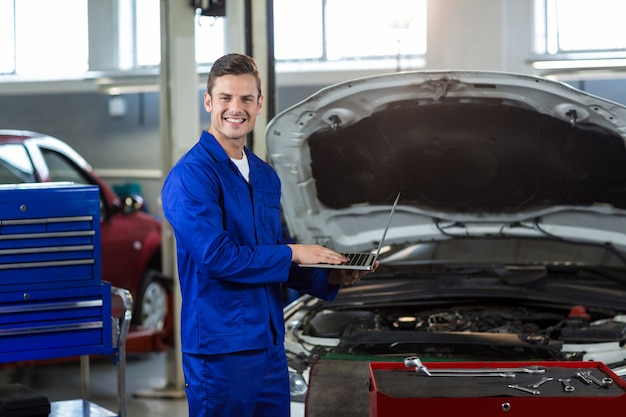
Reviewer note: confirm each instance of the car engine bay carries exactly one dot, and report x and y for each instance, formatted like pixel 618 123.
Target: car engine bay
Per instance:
pixel 464 330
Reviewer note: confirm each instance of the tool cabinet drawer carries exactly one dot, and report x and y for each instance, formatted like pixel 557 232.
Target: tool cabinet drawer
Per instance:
pixel 49 236
pixel 53 199
pixel 46 324
pixel 398 391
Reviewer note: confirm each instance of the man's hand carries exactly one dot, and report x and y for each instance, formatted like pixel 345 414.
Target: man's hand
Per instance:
pixel 348 277
pixel 315 254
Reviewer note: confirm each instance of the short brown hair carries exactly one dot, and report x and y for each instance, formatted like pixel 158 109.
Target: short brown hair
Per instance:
pixel 233 64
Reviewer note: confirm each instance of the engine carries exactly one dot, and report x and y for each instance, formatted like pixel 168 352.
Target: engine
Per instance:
pixel 573 326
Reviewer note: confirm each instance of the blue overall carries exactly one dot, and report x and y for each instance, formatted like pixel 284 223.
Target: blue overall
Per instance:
pixel 232 260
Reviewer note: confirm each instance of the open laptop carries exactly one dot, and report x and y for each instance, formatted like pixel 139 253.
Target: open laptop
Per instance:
pixel 362 261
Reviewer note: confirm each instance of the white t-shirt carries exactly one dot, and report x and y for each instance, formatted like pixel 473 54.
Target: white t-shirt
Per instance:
pixel 243 166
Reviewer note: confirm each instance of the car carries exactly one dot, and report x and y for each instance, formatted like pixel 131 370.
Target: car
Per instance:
pixel 507 243
pixel 130 237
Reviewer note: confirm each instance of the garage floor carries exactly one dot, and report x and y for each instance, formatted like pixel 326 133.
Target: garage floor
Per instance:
pixel 145 384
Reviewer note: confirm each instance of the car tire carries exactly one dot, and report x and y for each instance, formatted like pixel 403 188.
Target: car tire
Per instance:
pixel 152 301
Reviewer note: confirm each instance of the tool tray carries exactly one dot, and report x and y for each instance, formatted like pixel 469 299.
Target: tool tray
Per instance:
pixel 396 390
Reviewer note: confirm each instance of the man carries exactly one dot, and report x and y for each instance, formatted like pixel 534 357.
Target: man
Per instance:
pixel 223 203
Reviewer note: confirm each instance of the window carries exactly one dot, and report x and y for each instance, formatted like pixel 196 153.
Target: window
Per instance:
pixel 52 38
pixel 347 29
pixel 7 37
pixel 209 38
pixel 575 26
pixel 42 36
pixel 307 29
pixel 209 35
pixel 147 27
pixel 363 28
pixel 303 17
pixel 15 165
pixel 61 169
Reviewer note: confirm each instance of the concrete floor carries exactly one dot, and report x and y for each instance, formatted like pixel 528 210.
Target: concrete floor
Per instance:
pixel 146 393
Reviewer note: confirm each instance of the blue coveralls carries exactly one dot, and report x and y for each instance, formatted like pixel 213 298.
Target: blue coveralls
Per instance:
pixel 232 259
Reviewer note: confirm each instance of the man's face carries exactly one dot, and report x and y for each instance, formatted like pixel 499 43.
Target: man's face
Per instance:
pixel 234 104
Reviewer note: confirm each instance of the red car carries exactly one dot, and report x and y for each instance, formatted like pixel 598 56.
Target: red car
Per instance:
pixel 131 238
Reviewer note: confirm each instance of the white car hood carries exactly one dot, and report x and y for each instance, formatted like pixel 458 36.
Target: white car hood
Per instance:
pixel 472 154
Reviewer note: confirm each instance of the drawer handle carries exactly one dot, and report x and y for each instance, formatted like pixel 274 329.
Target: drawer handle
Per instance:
pixel 52 328
pixel 67 305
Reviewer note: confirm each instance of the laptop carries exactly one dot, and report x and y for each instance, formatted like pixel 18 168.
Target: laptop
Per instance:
pixel 361 261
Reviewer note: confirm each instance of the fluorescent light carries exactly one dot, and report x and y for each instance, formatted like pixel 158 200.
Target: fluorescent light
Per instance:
pixel 122 88
pixel 579 64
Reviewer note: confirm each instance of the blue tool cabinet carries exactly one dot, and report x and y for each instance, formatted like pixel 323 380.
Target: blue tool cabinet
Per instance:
pixel 49 236
pixel 53 302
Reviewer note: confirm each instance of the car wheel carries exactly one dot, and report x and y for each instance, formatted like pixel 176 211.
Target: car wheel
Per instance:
pixel 151 305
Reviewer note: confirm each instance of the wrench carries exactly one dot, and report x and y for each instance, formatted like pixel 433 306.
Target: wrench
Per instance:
pixel 584 376
pixel 567 387
pixel 604 382
pixel 541 381
pixel 528 390
pixel 417 363
pixel 499 374
pixel 414 361
pixel 528 370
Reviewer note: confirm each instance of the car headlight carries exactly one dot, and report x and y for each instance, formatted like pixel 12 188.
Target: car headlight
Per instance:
pixel 297 386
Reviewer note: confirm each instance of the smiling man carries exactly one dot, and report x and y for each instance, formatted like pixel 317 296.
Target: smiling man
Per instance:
pixel 223 203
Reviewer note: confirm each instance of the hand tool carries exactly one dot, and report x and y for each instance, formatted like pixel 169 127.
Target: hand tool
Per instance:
pixel 567 387
pixel 528 390
pixel 604 382
pixel 471 374
pixel 583 376
pixel 541 381
pixel 414 361
pixel 417 363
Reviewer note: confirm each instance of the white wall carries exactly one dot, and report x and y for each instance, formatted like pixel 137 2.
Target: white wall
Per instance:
pixel 480 35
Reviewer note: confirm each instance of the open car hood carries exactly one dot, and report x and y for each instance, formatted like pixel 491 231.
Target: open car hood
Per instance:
pixel 473 154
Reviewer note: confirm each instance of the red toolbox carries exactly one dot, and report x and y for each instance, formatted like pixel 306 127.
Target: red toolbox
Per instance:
pixel 399 391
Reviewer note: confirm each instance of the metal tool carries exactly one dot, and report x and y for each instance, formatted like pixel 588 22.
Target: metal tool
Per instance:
pixel 541 381
pixel 473 374
pixel 583 376
pixel 528 390
pixel 604 382
pixel 567 387
pixel 528 370
pixel 414 361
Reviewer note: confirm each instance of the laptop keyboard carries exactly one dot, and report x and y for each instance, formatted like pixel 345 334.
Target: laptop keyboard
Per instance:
pixel 357 258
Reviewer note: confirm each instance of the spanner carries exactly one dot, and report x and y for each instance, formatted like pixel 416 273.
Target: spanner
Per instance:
pixel 584 376
pixel 528 370
pixel 417 363
pixel 468 374
pixel 567 387
pixel 604 382
pixel 541 381
pixel 414 361
pixel 528 390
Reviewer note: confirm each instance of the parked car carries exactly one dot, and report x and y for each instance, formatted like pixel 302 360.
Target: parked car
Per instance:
pixel 508 242
pixel 130 237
